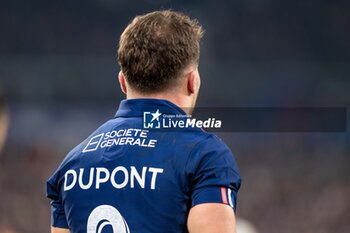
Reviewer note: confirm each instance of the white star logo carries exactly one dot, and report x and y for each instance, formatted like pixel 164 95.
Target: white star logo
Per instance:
pixel 156 115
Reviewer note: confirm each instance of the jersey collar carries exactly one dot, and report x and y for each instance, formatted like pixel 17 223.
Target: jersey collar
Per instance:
pixel 137 107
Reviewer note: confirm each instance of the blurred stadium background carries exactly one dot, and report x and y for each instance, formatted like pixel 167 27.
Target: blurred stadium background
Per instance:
pixel 58 71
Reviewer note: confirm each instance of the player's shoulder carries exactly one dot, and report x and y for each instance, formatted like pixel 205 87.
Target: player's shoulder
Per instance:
pixel 192 138
pixel 212 147
pixel 208 140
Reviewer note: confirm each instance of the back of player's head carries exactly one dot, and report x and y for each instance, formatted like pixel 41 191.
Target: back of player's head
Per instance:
pixel 155 48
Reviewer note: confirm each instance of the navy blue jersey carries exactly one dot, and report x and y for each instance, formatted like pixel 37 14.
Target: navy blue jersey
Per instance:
pixel 125 178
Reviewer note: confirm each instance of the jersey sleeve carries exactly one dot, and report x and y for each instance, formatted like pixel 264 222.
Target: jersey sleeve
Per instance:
pixel 213 173
pixel 58 216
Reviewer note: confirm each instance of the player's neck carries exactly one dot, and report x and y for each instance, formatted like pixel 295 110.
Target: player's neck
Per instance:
pixel 183 102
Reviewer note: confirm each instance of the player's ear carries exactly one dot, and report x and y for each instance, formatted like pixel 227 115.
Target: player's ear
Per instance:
pixel 193 81
pixel 122 82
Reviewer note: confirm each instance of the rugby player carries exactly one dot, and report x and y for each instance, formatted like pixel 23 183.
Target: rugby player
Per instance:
pixel 126 178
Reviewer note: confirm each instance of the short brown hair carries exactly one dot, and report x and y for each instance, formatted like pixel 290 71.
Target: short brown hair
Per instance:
pixel 154 49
